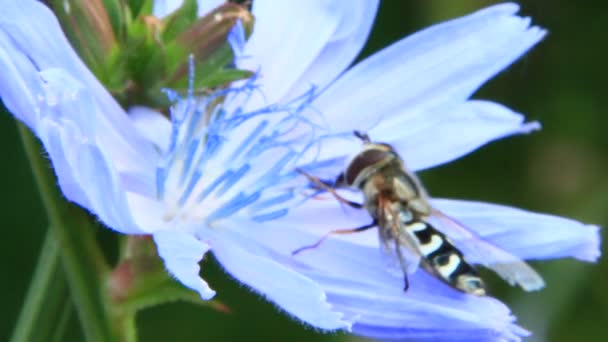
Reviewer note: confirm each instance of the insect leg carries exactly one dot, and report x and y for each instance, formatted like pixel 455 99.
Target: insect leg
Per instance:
pixel 324 186
pixel 336 232
pixel 402 263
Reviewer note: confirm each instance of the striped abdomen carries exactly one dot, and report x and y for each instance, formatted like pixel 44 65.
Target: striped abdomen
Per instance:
pixel 443 259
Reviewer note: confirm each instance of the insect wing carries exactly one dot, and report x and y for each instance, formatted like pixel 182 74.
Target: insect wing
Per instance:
pixel 398 247
pixel 508 266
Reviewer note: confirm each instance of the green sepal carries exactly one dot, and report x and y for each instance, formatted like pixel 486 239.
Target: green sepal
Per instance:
pixel 140 7
pixel 88 27
pixel 206 40
pixel 117 13
pixel 180 20
pixel 157 53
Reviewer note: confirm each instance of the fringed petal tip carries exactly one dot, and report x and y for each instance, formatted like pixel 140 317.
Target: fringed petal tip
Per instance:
pixel 526 234
pixel 530 127
pixel 181 253
pixel 294 293
pixel 590 249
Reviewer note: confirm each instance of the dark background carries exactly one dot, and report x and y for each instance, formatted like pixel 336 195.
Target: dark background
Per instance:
pixel 559 170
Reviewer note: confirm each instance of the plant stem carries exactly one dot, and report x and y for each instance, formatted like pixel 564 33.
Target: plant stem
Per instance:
pixel 46 299
pixel 82 260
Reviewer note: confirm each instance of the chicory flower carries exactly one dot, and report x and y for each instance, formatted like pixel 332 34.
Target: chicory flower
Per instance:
pixel 219 176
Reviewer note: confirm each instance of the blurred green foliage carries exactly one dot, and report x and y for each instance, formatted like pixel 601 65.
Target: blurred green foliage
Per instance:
pixel 559 170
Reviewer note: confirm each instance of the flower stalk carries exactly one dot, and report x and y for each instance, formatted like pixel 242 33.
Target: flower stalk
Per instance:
pixel 83 262
pixel 47 302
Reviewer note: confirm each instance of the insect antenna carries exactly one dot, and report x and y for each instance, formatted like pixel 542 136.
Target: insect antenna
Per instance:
pixel 363 136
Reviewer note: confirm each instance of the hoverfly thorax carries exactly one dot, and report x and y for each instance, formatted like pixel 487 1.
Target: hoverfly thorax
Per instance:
pixel 372 158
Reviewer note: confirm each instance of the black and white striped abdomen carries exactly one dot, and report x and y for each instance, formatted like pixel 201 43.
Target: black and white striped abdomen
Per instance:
pixel 443 259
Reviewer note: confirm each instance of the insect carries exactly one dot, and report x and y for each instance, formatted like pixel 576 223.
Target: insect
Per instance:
pixel 399 207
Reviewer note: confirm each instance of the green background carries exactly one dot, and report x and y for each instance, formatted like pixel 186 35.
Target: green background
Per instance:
pixel 559 170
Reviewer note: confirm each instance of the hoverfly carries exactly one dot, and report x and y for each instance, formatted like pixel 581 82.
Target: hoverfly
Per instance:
pixel 399 207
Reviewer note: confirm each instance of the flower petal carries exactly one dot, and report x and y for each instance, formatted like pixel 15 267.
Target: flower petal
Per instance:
pixel 19 83
pixel 85 175
pixel 356 19
pixel 443 64
pixel 181 253
pixel 22 23
pixel 206 6
pixel 152 125
pixel 526 234
pixel 451 132
pixel 290 290
pixel 359 283
pixel 163 8
pixel 432 138
pixel 288 36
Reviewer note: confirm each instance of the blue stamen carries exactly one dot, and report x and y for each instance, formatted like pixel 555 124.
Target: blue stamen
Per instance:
pixel 191 184
pixel 212 146
pixel 192 123
pixel 282 198
pixel 189 157
pixel 262 145
pixel 209 189
pixel 278 166
pixel 229 182
pixel 272 176
pixel 282 134
pixel 247 141
pixel 271 215
pixel 160 182
pixel 191 76
pixel 237 203
pixel 321 164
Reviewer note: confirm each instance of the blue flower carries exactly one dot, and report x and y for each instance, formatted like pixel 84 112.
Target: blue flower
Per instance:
pixel 221 178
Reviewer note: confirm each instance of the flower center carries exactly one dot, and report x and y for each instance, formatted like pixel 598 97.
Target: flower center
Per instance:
pixel 226 159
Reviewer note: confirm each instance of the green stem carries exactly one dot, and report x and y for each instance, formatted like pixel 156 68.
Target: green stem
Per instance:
pixel 82 260
pixel 46 298
pixel 62 323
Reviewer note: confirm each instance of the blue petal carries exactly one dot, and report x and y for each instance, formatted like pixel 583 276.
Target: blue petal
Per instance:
pixel 181 253
pixel 163 8
pixel 291 291
pixel 206 6
pixel 32 41
pixel 450 132
pixel 288 36
pixel 359 284
pixel 152 125
pixel 526 234
pixel 431 138
pixel 440 65
pixel 85 174
pixel 19 84
pixel 356 19
pixel 85 177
